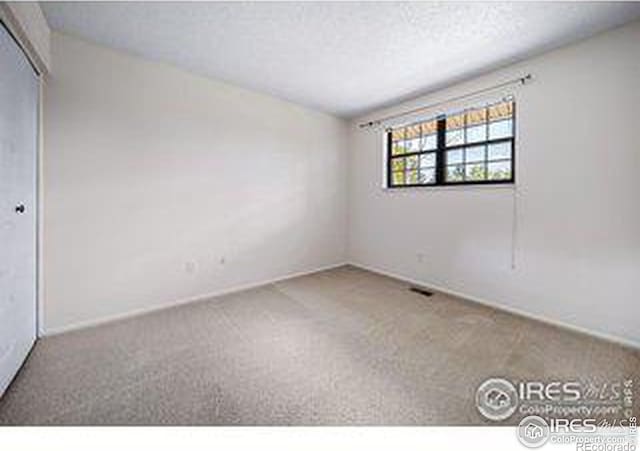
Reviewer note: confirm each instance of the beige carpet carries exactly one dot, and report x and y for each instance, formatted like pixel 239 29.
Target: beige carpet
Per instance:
pixel 340 347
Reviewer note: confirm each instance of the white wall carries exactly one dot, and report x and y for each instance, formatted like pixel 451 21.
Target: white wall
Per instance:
pixel 577 248
pixel 153 175
pixel 149 183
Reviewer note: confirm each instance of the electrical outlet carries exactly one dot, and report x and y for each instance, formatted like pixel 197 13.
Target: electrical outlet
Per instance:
pixel 223 260
pixel 420 257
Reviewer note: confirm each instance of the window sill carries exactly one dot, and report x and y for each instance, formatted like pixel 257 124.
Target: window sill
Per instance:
pixel 471 186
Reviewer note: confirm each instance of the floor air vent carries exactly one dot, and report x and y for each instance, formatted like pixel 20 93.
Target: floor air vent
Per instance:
pixel 421 291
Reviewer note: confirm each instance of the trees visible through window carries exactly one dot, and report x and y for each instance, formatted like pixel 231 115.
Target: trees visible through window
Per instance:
pixel 469 147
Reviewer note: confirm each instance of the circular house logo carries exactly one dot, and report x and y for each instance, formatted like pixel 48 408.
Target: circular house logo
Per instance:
pixel 533 431
pixel 496 399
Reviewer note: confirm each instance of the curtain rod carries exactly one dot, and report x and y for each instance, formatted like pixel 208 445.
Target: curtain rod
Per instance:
pixel 520 80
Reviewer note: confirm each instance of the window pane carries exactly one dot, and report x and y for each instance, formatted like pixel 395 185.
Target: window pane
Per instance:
pixel 499 170
pixel 500 111
pixel 474 154
pixel 428 160
pixel 477 133
pixel 430 127
pixel 427 175
pixel 397 178
pixel 429 142
pixel 455 173
pixel 468 157
pixel 411 177
pixel 412 132
pixel 500 129
pixel 397 134
pixel 398 148
pixel 398 164
pixel 412 162
pixel 455 137
pixel 474 172
pixel 476 117
pixel 454 156
pixel 455 129
pixel 455 121
pixel 499 151
pixel 413 145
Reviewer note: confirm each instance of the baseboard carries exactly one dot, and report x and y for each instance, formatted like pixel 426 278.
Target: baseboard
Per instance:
pixel 49 332
pixel 523 313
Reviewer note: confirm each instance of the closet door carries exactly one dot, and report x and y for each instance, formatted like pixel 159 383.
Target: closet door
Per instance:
pixel 18 206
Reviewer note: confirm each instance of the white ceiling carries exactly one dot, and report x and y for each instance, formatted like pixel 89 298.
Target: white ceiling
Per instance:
pixel 342 58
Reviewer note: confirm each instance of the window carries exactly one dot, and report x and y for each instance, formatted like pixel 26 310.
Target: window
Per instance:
pixel 474 146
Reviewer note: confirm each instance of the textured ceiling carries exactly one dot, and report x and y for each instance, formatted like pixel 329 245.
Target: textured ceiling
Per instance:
pixel 342 58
